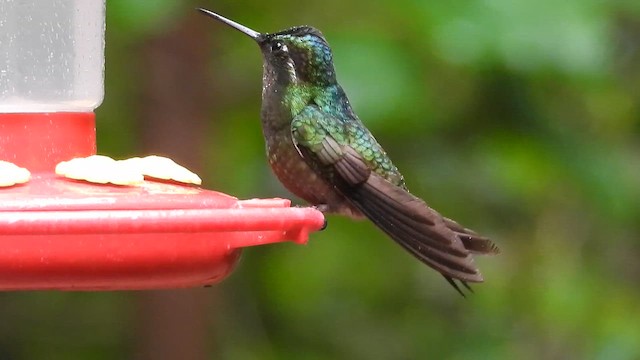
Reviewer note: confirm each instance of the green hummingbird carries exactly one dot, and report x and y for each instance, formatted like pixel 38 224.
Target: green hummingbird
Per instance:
pixel 321 151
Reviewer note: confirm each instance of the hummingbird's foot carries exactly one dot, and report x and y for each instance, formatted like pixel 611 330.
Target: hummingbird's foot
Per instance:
pixel 323 208
pixel 324 226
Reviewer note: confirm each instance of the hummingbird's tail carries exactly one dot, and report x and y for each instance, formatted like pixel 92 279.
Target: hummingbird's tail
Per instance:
pixel 438 242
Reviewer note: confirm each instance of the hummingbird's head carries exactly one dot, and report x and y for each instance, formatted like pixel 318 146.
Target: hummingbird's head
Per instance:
pixel 297 55
pixel 302 53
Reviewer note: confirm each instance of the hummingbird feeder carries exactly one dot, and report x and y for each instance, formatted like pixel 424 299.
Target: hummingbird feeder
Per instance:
pixel 65 234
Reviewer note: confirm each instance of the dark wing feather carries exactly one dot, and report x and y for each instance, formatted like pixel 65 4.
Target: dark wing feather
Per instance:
pixel 407 220
pixel 438 242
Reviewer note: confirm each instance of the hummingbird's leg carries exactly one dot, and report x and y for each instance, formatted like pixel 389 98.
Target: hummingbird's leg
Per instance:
pixel 340 209
pixel 323 208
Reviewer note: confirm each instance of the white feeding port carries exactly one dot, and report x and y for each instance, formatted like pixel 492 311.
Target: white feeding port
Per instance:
pixel 51 55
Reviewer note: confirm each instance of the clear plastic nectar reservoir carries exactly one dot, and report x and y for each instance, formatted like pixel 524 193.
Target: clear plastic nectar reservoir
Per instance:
pixel 51 55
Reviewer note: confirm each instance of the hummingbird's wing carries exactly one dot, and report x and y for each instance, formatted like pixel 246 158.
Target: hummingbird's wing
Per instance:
pixel 327 146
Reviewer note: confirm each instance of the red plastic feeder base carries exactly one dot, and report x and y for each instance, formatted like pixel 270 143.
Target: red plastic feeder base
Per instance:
pixel 62 234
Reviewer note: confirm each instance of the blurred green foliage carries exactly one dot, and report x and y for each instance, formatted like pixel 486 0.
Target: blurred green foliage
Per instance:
pixel 520 119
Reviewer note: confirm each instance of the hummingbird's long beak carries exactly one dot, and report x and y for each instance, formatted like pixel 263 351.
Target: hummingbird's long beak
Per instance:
pixel 243 29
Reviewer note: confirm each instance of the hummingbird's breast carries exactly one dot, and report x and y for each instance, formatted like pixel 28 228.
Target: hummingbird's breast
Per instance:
pixel 290 167
pixel 294 173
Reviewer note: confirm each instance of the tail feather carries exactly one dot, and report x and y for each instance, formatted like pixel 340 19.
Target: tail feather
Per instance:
pixel 455 285
pixel 416 227
pixel 437 259
pixel 473 242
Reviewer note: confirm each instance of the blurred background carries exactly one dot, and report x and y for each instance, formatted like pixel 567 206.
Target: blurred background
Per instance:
pixel 519 119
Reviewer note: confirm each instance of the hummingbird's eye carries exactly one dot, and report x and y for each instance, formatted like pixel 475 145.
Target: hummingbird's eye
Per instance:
pixel 278 46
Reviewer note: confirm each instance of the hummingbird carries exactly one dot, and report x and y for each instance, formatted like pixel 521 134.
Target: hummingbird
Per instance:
pixel 320 151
